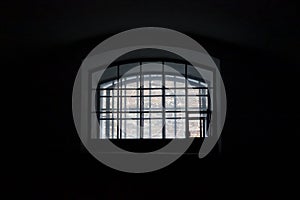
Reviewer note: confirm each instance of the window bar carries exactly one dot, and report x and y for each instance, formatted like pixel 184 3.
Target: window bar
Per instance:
pixel 113 111
pixel 204 126
pixel 208 115
pixel 118 103
pixel 99 108
pixel 163 101
pixel 107 114
pixel 141 103
pixel 201 127
pixel 125 107
pixel 150 85
pixel 186 104
pixel 175 108
pixel 137 107
pixel 121 104
pixel 200 107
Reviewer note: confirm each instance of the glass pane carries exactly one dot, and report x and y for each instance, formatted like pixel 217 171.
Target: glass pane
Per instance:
pixel 132 103
pixel 156 102
pixel 193 73
pixel 170 81
pixel 156 81
pixel 178 68
pixel 193 102
pixel 194 128
pixel 156 128
pixel 170 128
pixel 175 91
pixel 147 129
pixel 156 92
pixel 109 74
pixel 152 67
pixel 180 102
pixel 129 69
pixel 132 82
pixel 203 102
pixel 170 102
pixel 132 129
pixel 193 91
pixel 180 128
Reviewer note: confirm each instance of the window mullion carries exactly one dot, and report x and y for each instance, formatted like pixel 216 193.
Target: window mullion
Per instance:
pixel 163 101
pixel 118 103
pixel 141 103
pixel 107 113
pixel 175 107
pixel 186 104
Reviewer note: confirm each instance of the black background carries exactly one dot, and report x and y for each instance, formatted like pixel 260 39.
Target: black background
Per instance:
pixel 257 42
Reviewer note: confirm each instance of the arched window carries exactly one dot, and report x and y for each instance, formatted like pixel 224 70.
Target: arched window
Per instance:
pixel 152 100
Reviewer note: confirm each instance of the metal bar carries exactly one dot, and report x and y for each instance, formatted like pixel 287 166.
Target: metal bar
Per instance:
pixel 186 104
pixel 107 115
pixel 99 107
pixel 137 106
pixel 153 88
pixel 150 85
pixel 200 104
pixel 121 106
pixel 118 103
pixel 125 106
pixel 141 103
pixel 167 111
pixel 148 118
pixel 175 106
pixel 163 101
pixel 167 95
pixel 113 107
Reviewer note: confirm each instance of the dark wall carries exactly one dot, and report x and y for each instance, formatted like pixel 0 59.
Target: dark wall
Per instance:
pixel 257 157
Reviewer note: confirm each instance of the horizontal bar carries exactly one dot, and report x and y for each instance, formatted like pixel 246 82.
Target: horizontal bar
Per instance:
pixel 154 118
pixel 110 88
pixel 158 95
pixel 145 111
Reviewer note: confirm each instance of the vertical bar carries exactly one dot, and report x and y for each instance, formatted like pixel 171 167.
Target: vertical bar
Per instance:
pixel 113 110
pixel 201 127
pixel 125 106
pixel 141 103
pixel 99 108
pixel 150 85
pixel 120 106
pixel 118 103
pixel 107 112
pixel 137 106
pixel 200 106
pixel 163 101
pixel 186 104
pixel 175 107
pixel 208 115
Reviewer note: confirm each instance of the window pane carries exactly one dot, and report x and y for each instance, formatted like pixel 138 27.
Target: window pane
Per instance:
pixel 170 128
pixel 180 128
pixel 156 81
pixel 193 102
pixel 129 69
pixel 156 128
pixel 194 128
pixel 132 129
pixel 147 128
pixel 156 102
pixel 170 102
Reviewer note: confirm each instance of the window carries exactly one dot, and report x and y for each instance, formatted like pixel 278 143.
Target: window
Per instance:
pixel 152 100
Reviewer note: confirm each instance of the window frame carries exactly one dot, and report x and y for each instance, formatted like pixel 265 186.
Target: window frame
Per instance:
pixel 187 112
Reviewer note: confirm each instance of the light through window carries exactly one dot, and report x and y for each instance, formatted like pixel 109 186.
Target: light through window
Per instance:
pixel 147 100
